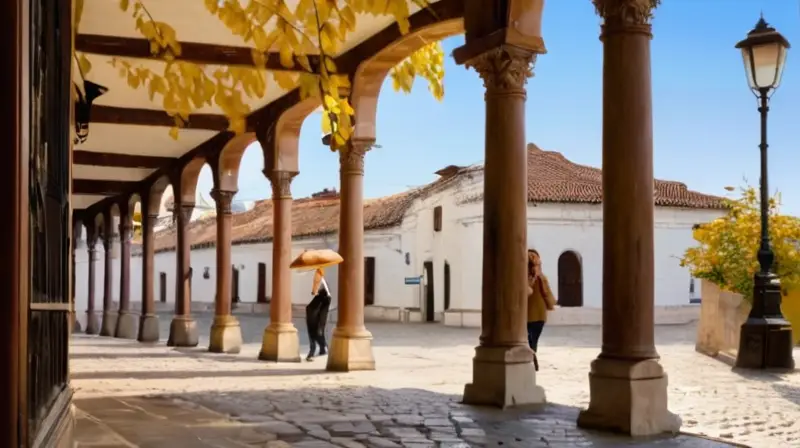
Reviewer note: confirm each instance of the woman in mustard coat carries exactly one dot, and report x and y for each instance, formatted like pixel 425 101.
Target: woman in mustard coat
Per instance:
pixel 540 301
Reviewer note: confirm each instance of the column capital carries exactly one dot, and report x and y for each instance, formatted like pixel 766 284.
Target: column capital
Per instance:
pixel 281 182
pixel 634 13
pixel 185 211
pixel 351 159
pixel 223 199
pixel 505 68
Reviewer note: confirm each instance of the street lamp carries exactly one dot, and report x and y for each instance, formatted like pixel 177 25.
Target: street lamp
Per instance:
pixel 766 337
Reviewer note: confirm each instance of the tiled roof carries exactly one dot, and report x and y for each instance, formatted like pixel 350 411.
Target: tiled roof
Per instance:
pixel 551 178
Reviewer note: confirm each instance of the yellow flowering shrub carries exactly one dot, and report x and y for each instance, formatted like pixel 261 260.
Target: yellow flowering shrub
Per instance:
pixel 297 29
pixel 727 249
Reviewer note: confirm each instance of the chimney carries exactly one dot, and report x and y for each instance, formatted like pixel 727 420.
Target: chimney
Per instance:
pixel 326 193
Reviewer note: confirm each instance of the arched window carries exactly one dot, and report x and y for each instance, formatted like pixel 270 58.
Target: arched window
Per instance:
pixel 570 280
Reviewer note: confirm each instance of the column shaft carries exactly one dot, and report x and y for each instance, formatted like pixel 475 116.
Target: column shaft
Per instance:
pixel 92 325
pixel 183 328
pixel 127 322
pixel 148 321
pixel 351 346
pixel 628 257
pixel 109 323
pixel 503 371
pixel 183 286
pixel 280 341
pixel 226 334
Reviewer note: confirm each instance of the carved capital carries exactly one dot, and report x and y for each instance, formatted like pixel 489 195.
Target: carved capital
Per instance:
pixel 281 184
pixel 626 12
pixel 505 68
pixel 223 200
pixel 185 212
pixel 351 159
pixel 125 229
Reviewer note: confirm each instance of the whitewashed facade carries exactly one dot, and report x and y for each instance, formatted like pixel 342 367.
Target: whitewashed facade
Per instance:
pixel 402 251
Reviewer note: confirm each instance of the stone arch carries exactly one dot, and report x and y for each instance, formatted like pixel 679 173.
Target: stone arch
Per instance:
pixel 186 181
pixel 370 74
pixel 226 171
pixel 570 279
pixel 155 194
pixel 282 143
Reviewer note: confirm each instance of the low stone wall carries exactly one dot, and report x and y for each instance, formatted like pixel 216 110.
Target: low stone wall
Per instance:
pixel 722 314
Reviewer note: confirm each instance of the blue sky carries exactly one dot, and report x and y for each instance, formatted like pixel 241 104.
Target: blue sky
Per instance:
pixel 705 119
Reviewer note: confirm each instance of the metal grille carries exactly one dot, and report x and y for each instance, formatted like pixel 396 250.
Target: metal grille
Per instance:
pixel 48 313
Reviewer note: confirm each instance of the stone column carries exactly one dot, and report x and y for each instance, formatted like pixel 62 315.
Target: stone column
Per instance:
pixel 148 321
pixel 628 386
pixel 226 334
pixel 109 326
pixel 92 324
pixel 280 342
pixel 127 322
pixel 76 326
pixel 183 329
pixel 503 373
pixel 351 345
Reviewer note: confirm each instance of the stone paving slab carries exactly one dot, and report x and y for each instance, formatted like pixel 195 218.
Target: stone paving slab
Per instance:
pixel 430 362
pixel 153 422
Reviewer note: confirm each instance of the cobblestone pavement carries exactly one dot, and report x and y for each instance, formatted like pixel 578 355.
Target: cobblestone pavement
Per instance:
pixel 421 373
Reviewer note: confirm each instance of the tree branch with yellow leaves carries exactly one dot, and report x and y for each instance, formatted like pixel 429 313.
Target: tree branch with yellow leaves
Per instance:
pixel 313 27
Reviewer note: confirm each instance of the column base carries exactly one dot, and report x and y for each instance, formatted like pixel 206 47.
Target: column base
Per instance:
pixel 76 326
pixel 127 325
pixel 109 325
pixel 350 350
pixel 280 343
pixel 226 335
pixel 765 343
pixel 183 332
pixel 148 328
pixel 92 323
pixel 628 397
pixel 503 377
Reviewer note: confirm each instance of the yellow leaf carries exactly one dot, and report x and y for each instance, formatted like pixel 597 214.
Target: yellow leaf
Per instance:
pixel 285 80
pixel 123 4
pixel 260 39
pixel 84 64
pixel 174 132
pixel 286 55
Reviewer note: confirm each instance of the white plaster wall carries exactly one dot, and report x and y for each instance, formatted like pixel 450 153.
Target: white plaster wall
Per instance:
pixel 552 230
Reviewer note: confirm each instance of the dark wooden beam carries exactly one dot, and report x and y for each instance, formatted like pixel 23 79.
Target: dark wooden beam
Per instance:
pixel 130 47
pixel 346 63
pixel 101 187
pixel 155 117
pixel 119 160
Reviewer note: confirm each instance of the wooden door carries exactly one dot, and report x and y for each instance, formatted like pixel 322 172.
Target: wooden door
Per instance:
pixel 47 347
pixel 369 281
pixel 570 280
pixel 446 286
pixel 429 292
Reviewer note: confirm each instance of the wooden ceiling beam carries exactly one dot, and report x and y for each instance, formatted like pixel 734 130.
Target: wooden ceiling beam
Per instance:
pixel 209 54
pixel 119 160
pixel 154 117
pixel 101 187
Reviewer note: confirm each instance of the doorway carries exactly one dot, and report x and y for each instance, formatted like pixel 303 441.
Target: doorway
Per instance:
pixel 570 280
pixel 446 286
pixel 369 281
pixel 429 292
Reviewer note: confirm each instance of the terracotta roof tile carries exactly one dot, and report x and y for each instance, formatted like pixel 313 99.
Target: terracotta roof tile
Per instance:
pixel 551 178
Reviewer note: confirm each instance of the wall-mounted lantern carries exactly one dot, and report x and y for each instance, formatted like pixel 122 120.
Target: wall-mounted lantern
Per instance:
pixel 83 107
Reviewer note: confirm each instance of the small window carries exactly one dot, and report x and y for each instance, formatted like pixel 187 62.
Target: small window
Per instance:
pixel 437 218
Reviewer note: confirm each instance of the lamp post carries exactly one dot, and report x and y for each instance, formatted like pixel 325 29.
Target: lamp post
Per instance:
pixel 766 337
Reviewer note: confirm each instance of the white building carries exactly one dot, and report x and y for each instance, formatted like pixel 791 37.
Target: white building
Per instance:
pixel 435 231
